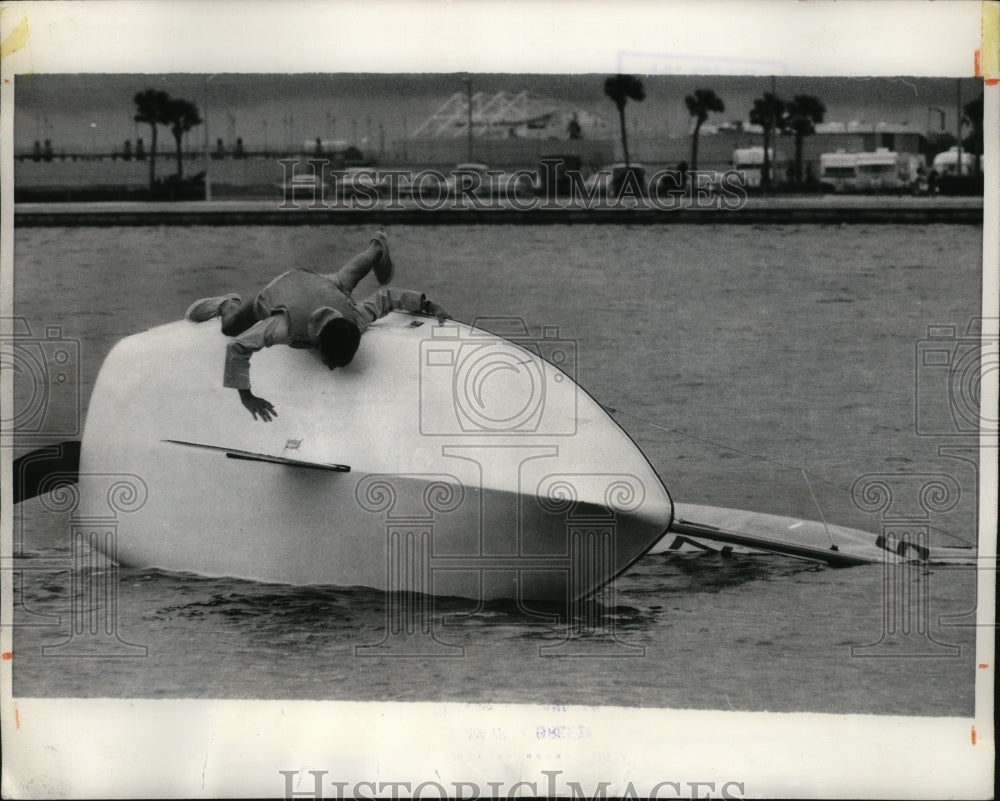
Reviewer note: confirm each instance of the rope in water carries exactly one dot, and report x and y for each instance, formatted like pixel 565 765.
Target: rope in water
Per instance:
pixel 805 476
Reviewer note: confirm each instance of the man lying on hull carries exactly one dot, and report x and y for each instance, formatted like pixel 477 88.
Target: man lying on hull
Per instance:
pixel 304 309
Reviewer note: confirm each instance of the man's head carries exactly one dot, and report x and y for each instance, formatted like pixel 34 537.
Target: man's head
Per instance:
pixel 338 342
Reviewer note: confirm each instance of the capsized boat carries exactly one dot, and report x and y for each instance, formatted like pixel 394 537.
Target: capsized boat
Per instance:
pixel 444 459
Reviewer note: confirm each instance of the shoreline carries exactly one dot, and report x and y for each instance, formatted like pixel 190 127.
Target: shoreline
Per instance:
pixel 814 209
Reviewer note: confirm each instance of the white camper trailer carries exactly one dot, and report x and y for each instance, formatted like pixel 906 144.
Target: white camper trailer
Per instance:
pixel 880 171
pixel 947 163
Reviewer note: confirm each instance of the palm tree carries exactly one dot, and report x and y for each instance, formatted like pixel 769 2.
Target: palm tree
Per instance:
pixel 699 105
pixel 803 113
pixel 620 88
pixel 973 117
pixel 181 116
pixel 769 113
pixel 151 107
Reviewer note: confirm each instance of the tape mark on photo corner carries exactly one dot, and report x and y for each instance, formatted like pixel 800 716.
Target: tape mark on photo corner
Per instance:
pixel 981 68
pixel 987 58
pixel 15 40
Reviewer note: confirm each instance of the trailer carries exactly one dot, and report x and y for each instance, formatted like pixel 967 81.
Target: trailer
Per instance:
pixel 882 171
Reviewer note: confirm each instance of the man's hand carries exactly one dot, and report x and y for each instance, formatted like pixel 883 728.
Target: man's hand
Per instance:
pixel 257 406
pixel 436 310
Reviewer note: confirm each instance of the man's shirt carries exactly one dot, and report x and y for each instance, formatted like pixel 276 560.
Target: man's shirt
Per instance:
pixel 274 330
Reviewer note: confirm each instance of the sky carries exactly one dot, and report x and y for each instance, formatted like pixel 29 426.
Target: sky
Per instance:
pixel 88 111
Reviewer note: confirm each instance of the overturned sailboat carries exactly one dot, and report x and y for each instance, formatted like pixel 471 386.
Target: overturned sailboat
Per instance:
pixel 444 459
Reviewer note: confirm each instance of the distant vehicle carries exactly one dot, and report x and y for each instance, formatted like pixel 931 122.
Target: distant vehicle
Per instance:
pixel 880 171
pixel 465 175
pixel 950 180
pixel 946 163
pixel 476 178
pixel 838 172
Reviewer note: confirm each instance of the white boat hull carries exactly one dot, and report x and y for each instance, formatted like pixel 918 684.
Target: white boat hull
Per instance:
pixel 477 468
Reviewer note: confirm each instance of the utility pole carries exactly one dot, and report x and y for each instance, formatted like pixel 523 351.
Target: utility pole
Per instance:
pixel 208 155
pixel 468 101
pixel 958 125
pixel 771 141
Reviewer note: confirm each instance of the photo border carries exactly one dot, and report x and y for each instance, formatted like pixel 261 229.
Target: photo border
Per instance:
pixel 187 748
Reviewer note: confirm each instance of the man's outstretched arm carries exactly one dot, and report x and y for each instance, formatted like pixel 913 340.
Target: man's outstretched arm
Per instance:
pixel 272 331
pixel 390 298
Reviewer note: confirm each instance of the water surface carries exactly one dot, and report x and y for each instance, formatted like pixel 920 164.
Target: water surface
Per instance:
pixel 762 368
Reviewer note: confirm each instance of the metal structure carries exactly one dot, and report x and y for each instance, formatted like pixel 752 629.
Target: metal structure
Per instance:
pixel 503 115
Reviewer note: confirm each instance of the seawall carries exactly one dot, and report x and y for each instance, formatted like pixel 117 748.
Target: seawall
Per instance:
pixel 825 210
